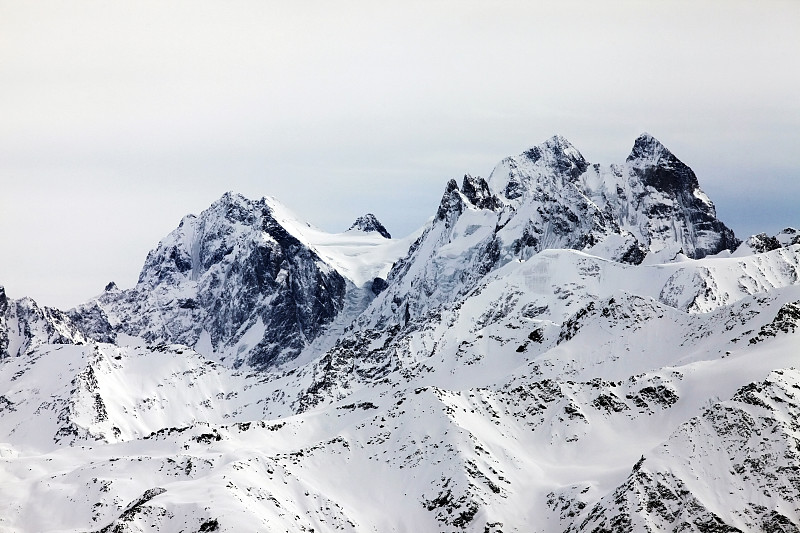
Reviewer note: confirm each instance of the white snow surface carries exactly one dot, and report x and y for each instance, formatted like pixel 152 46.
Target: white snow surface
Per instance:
pixel 491 386
pixel 468 431
pixel 357 255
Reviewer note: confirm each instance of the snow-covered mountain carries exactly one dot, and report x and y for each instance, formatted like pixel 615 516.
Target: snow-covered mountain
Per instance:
pixel 247 282
pixel 368 223
pixel 25 325
pixel 562 347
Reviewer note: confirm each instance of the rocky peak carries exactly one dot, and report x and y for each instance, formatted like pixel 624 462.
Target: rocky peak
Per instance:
pixel 477 192
pixel 24 324
pixel 762 242
pixel 677 199
pixel 200 242
pixel 659 168
pixel 555 160
pixel 653 199
pixel 369 223
pixel 560 155
pixel 234 268
pixel 788 237
pixel 451 201
pixel 648 148
pixel 233 207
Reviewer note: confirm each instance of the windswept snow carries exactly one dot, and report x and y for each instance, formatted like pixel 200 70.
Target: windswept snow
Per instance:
pixel 562 347
pixel 357 255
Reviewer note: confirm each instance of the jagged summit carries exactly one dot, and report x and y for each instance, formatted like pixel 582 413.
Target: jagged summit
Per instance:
pixel 657 167
pixel 653 201
pixel 646 147
pixel 516 177
pixel 554 319
pixel 241 266
pixel 368 223
pixel 556 148
pixel 561 155
pixel 762 242
pixel 686 212
pixel 249 281
pixel 477 192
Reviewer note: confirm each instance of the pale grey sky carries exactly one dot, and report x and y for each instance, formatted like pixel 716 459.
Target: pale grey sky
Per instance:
pixel 118 118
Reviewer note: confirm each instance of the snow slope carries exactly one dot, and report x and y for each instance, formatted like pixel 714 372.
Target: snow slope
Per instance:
pixel 246 282
pixel 562 347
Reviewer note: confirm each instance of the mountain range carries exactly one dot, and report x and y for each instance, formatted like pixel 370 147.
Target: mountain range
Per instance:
pixel 563 346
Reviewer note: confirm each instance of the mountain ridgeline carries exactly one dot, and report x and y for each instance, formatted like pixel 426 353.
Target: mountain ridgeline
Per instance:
pixel 563 346
pixel 235 271
pixel 232 270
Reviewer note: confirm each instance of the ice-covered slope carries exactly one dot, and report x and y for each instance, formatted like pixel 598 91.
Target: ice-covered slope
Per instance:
pixel 527 307
pixel 563 347
pixel 160 439
pixel 360 254
pixel 734 467
pixel 652 203
pixel 249 282
pixel 650 208
pixel 25 325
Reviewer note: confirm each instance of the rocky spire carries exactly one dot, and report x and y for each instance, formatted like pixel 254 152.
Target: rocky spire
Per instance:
pixel 368 223
pixel 678 199
pixel 648 148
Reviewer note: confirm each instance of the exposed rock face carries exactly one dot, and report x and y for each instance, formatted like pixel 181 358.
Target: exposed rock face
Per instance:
pixel 236 281
pixel 237 276
pixel 652 201
pixel 536 361
pixel 25 325
pixel 369 223
pixel 681 211
pixel 3 323
pixel 762 242
pixel 476 190
pixel 93 322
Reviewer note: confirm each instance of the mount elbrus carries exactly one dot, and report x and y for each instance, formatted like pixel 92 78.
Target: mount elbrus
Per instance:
pixel 563 346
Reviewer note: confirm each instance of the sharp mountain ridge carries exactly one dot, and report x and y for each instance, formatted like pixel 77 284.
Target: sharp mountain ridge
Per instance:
pixel 563 346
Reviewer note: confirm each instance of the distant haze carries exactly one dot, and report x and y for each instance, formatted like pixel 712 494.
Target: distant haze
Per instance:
pixel 116 119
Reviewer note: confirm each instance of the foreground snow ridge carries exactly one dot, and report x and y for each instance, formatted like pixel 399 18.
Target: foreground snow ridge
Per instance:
pixel 562 347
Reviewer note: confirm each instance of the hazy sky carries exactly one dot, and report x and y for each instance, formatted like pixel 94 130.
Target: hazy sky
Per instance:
pixel 118 118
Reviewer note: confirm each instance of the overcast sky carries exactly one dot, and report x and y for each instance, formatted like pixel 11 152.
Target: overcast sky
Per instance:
pixel 118 118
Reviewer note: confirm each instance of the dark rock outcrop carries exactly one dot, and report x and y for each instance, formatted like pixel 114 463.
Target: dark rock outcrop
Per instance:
pixel 368 223
pixel 687 206
pixel 477 191
pixel 24 324
pixel 236 274
pixel 762 242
